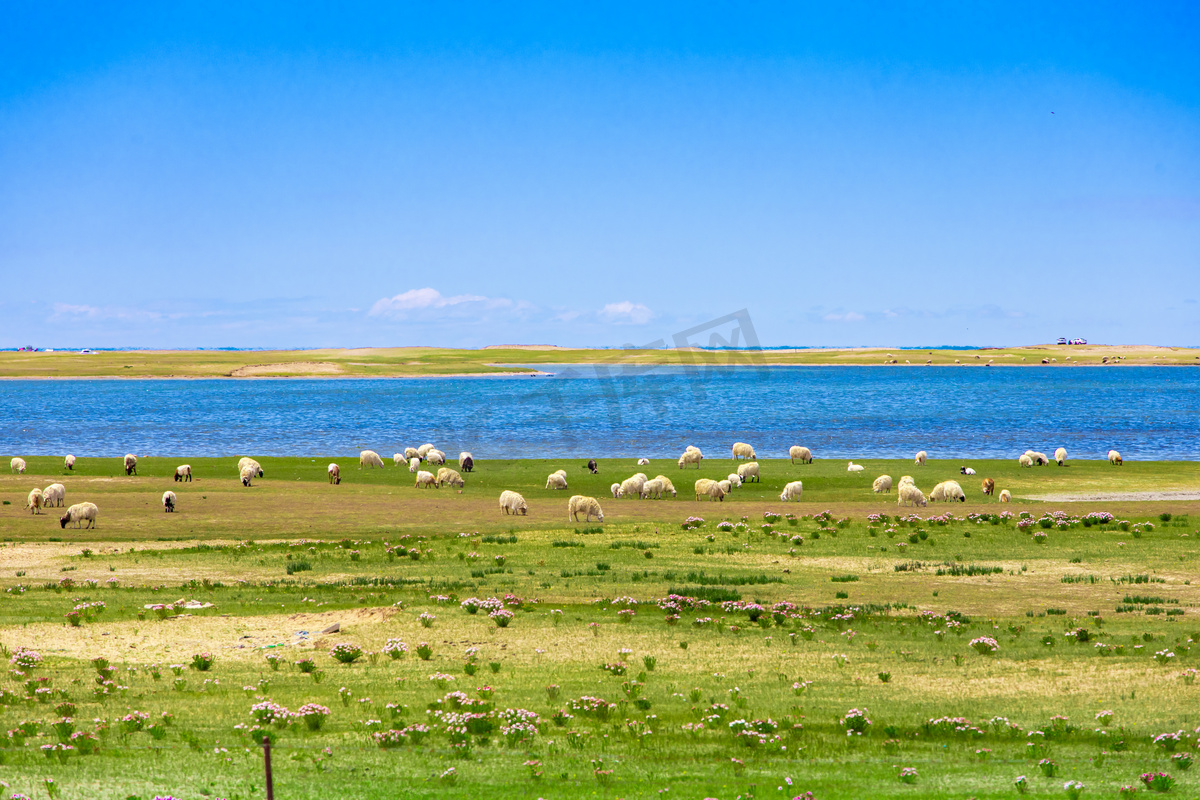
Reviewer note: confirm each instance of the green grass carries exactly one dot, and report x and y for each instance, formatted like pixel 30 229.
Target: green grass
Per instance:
pixel 233 547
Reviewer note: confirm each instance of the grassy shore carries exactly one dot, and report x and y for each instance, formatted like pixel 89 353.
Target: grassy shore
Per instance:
pixel 883 612
pixel 425 361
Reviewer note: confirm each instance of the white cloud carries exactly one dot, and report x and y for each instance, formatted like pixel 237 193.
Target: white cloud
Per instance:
pixel 626 312
pixel 428 299
pixel 67 312
pixel 849 316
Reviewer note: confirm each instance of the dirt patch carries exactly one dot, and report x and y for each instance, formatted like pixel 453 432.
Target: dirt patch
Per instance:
pixel 288 368
pixel 1101 497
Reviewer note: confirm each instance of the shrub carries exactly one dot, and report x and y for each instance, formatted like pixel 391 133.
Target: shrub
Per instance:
pixel 346 653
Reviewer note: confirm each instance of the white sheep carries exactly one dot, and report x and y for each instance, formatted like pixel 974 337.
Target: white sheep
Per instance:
pixel 726 486
pixel 802 453
pixel 710 489
pixel 653 488
pixel 792 491
pixel 1005 496
pixel 693 449
pixel 615 489
pixel 643 462
pixel 882 484
pixel 69 462
pixel 54 495
pixel 79 513
pixel 556 481
pixel 369 458
pixel 424 479
pixel 734 479
pixel 17 465
pixel 445 475
pixel 589 506
pixel 1038 458
pixel 922 457
pixel 335 473
pixel 435 456
pixel 908 494
pixel 34 501
pixel 1025 460
pixel 743 450
pixel 748 472
pixel 632 486
pixel 966 471
pixel 947 491
pixel 183 473
pixel 852 467
pixel 414 464
pixel 512 503
pixel 667 486
pixel 168 501
pixel 248 475
pixel 423 449
pixel 1060 456
pixel 562 472
pixel 466 461
pixel 246 461
pixel 130 464
pixel 398 459
pixel 1115 459
pixel 411 453
pixel 690 457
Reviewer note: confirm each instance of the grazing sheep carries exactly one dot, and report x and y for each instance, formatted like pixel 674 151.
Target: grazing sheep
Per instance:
pixel 653 488
pixel 743 450
pixel 423 450
pixel 130 464
pixel 34 501
pixel 414 464
pixel 512 503
pixel 852 467
pixel 168 501
pixel 1060 456
pixel 726 486
pixel 922 457
pixel 792 491
pixel 1025 461
pixel 398 459
pixel 79 513
pixel 248 475
pixel 908 494
pixel 748 472
pixel 632 486
pixel 411 453
pixel 562 472
pixel 556 481
pixel 643 462
pixel 335 473
pixel 882 484
pixel 1038 458
pixel 369 458
pixel 710 489
pixel 690 457
pixel 1005 496
pixel 592 467
pixel 250 462
pixel 435 456
pixel 183 473
pixel 54 495
pixel 615 489
pixel 69 462
pixel 588 506
pixel 17 465
pixel 989 486
pixel 450 476
pixel 948 491
pixel 466 461
pixel 802 453
pixel 734 479
pixel 965 471
pixel 424 479
pixel 667 486
pixel 1115 459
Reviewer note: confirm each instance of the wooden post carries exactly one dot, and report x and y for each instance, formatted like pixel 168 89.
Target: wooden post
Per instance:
pixel 267 767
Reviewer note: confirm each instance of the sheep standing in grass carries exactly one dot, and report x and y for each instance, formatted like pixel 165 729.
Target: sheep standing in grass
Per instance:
pixel 512 503
pixel 466 461
pixel 248 475
pixel 17 465
pixel 726 486
pixel 749 472
pixel 423 450
pixel 653 488
pixel 615 489
pixel 79 513
pixel 743 450
pixel 852 467
pixel 435 456
pixel 369 458
pixel 414 464
pixel 168 501
pixel 445 475
pixel 632 486
pixel 398 459
pixel 1039 459
pixel 34 501
pixel 667 486
pixel 556 480
pixel 908 494
pixel 411 453
pixel 1025 460
pixel 250 462
pixel 734 479
pixel 1115 459
pixel 1060 456
pixel 54 495
pixel 802 453
pixel 130 464
pixel 922 457
pixel 710 489
pixel 69 462
pixel 792 491
pixel 882 484
pixel 988 486
pixel 588 506
pixel 592 467
pixel 335 473
pixel 424 479
pixel 1005 496
pixel 689 458
pixel 183 473
pixel 948 492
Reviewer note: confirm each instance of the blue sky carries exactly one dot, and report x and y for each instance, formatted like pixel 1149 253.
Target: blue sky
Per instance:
pixel 290 175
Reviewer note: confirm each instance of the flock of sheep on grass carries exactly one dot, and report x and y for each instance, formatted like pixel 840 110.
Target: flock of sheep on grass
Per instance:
pixel 637 485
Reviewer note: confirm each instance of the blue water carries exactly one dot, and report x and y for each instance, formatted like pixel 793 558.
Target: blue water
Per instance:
pixel 840 412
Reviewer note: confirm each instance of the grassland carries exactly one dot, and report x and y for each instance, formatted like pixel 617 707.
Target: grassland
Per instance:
pixel 871 599
pixel 426 361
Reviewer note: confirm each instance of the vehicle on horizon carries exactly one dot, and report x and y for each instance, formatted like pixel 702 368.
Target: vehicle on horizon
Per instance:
pixel 1077 341
pixel 1062 340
